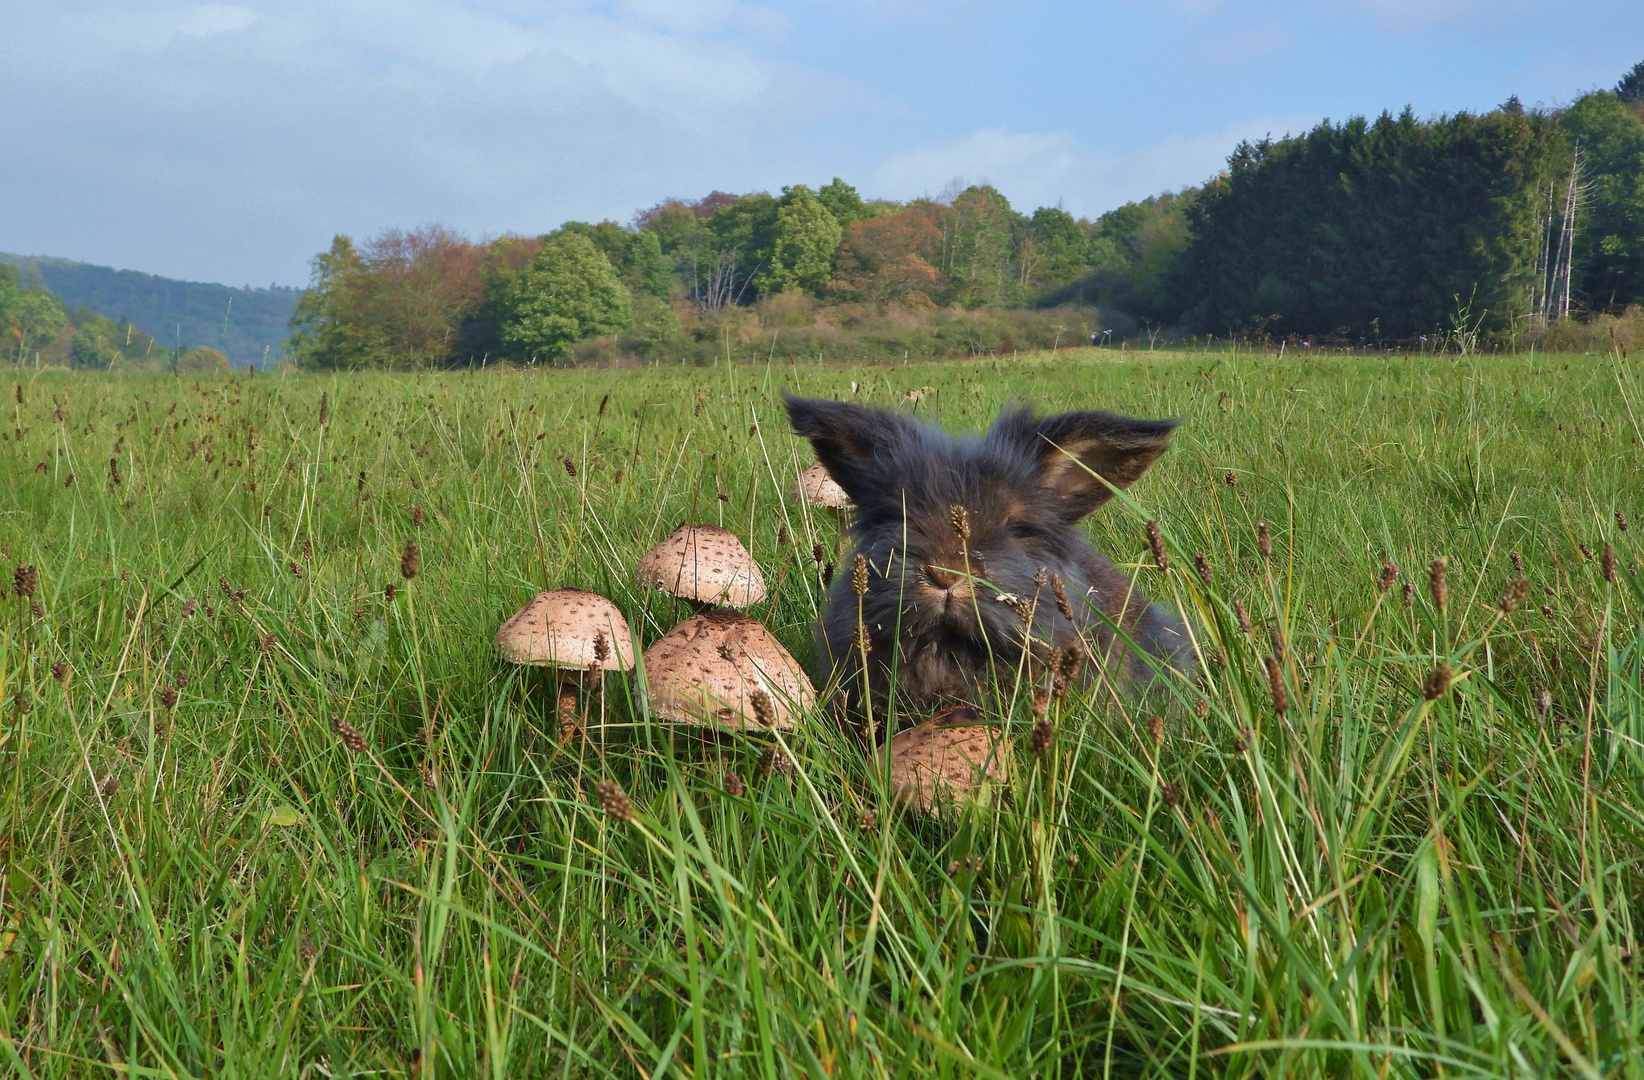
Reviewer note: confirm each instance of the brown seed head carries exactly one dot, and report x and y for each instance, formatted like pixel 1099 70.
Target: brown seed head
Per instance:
pixel 416 516
pixel 1231 479
pixel 602 648
pixel 614 800
pixel 859 574
pixel 1518 562
pixel 168 697
pixel 24 580
pixel 733 784
pixel 774 763
pixel 1155 730
pixel 1041 578
pixel 818 553
pixel 1275 684
pixel 1059 591
pixel 389 592
pixel 764 711
pixel 1043 736
pixel 60 671
pixel 1202 566
pixel 570 467
pixel 296 571
pixel 781 536
pixel 827 574
pixel 1437 682
pixel 410 560
pixel 350 736
pixel 961 522
pixel 1586 552
pixel 1171 793
pixel 1436 584
pixel 267 642
pixel 325 407
pixel 1544 700
pixel 1621 521
pixel 1409 594
pixel 1264 540
pixel 1156 541
pixel 1514 595
pixel 1389 575
pixel 1243 616
pixel 1609 562
pixel 1072 662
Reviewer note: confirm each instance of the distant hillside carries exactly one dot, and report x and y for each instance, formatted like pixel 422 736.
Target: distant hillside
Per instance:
pixel 240 323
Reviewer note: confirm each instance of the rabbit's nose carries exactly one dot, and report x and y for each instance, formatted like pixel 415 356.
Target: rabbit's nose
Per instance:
pixel 942 577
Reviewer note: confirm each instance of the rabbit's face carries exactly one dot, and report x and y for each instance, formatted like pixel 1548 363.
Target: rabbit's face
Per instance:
pixel 963 534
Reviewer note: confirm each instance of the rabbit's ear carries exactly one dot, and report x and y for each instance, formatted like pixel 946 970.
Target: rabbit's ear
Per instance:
pixel 850 441
pixel 1071 447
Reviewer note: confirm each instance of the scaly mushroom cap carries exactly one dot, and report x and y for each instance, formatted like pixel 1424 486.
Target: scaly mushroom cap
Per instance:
pixel 946 757
pixel 817 488
pixel 560 628
pixel 708 669
pixel 704 563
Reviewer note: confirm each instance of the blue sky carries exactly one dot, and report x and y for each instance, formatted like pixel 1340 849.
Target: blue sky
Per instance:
pixel 229 141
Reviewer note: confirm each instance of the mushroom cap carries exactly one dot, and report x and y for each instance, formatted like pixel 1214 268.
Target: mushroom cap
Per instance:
pixel 704 563
pixel 816 487
pixel 949 756
pixel 707 669
pixel 558 629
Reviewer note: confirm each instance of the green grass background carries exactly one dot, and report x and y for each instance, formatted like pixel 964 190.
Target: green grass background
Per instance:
pixel 1372 884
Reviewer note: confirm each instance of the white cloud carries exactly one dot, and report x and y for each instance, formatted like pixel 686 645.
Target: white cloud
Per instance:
pixel 209 20
pixel 1047 169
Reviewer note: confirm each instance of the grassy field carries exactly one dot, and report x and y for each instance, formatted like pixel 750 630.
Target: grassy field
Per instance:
pixel 1428 863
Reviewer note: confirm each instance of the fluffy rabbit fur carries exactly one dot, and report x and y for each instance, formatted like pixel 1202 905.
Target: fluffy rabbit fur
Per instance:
pixel 939 623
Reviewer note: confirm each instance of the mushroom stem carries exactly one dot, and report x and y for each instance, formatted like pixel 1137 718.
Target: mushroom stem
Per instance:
pixel 568 723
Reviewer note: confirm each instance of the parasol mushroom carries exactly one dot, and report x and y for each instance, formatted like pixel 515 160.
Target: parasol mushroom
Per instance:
pixel 950 756
pixel 721 668
pixel 580 634
pixel 703 565
pixel 815 487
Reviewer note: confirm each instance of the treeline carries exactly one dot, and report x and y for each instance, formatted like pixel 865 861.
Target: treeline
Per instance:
pixel 806 273
pixel 38 330
pixel 1460 228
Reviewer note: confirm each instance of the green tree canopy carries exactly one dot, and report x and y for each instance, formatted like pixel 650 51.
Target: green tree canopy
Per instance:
pixel 1631 87
pixel 804 238
pixel 843 202
pixel 1609 247
pixel 569 291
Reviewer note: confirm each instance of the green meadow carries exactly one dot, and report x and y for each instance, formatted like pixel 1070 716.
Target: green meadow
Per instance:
pixel 1383 835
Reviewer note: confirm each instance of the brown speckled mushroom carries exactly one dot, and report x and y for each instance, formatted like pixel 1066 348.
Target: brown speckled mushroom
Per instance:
pixel 580 634
pixel 721 668
pixel 703 565
pixel 948 757
pixel 815 487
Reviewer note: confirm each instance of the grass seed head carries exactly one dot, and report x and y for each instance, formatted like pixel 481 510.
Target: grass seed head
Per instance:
pixel 1059 590
pixel 1409 595
pixel 1156 541
pixel 602 648
pixel 1155 729
pixel 1243 616
pixel 1518 562
pixel 827 574
pixel 764 711
pixel 1437 585
pixel 781 536
pixel 1437 681
pixel 1041 702
pixel 1275 684
pixel 416 516
pixel 1514 595
pixel 1202 566
pixel 24 580
pixel 1264 540
pixel 325 407
pixel 410 560
pixel 389 592
pixel 168 698
pixel 733 784
pixel 1231 479
pixel 1609 562
pixel 350 736
pixel 1072 662
pixel 960 519
pixel 774 763
pixel 60 671
pixel 1389 576
pixel 615 801
pixel 1043 736
pixel 1171 793
pixel 1621 521
pixel 859 574
pixel 818 553
pixel 1586 552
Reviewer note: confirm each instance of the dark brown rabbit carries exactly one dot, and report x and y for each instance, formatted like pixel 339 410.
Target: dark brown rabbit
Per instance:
pixel 962 536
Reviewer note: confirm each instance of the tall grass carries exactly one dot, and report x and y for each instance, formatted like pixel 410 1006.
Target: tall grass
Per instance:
pixel 262 819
